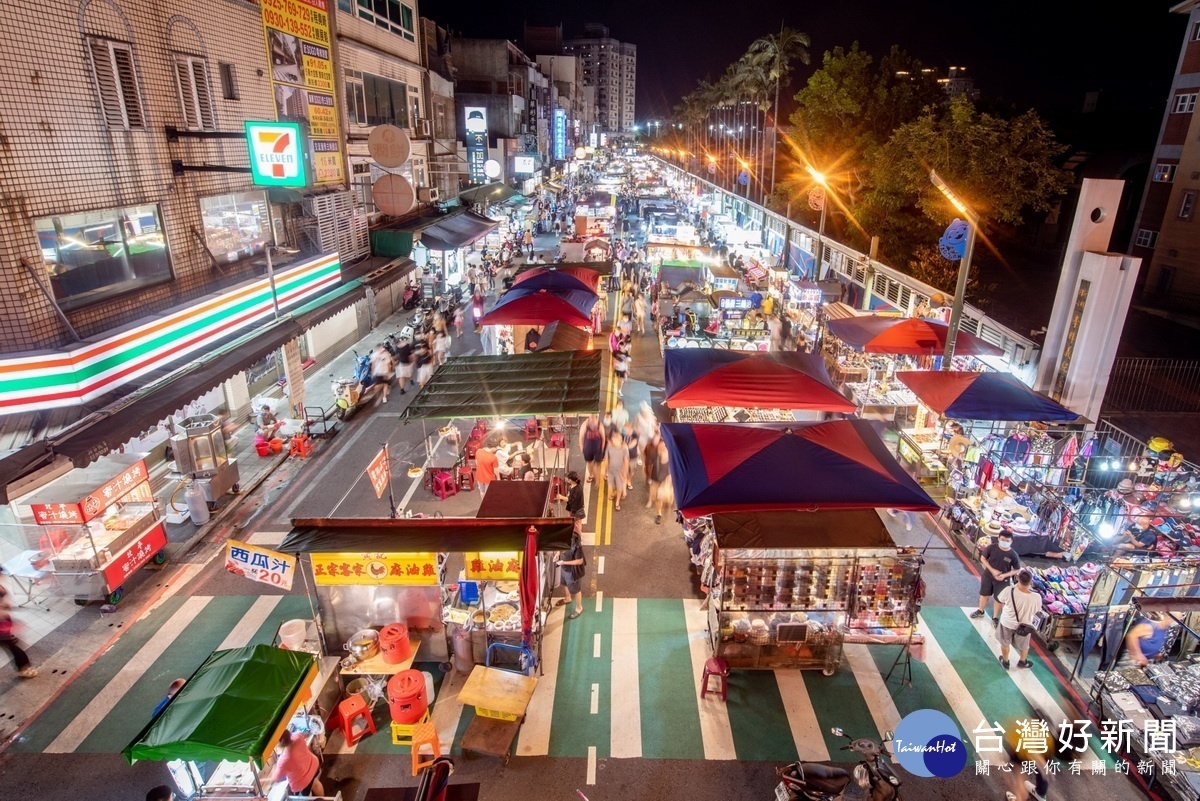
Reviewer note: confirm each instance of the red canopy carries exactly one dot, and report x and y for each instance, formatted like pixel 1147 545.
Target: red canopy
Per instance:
pixel 912 336
pixel 517 307
pixel 586 275
pixel 711 377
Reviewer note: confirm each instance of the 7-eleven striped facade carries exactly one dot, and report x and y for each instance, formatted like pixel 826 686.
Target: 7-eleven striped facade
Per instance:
pixel 89 370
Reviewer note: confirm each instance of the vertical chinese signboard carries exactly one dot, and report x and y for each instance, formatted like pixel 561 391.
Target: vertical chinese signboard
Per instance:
pixel 380 472
pixel 298 42
pixel 494 566
pixel 560 134
pixel 475 124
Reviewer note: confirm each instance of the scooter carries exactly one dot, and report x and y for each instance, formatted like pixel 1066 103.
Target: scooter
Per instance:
pixel 411 297
pixel 872 779
pixel 351 394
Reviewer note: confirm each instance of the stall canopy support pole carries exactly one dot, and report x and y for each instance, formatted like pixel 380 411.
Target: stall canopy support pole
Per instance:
pixel 387 457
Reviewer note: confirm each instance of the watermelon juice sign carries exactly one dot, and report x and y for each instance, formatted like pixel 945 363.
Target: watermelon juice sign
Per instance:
pixel 276 154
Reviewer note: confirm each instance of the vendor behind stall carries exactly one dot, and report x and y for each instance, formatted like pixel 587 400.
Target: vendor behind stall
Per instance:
pixel 1146 639
pixel 1000 563
pixel 1140 535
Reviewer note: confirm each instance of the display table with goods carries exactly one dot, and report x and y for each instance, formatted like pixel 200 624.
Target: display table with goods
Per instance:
pixel 95 527
pixel 920 449
pixel 1065 592
pixel 1041 521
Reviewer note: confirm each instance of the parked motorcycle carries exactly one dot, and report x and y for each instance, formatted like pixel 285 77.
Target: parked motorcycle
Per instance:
pixel 411 297
pixel 351 394
pixel 872 779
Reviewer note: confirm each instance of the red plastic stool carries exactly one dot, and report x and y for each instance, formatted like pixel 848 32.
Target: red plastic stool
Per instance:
pixel 444 486
pixel 718 669
pixel 354 708
pixel 466 478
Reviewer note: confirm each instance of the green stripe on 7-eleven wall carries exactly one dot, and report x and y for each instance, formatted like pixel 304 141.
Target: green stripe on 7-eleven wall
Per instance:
pixel 163 339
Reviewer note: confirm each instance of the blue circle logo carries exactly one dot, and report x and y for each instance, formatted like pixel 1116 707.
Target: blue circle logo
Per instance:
pixel 928 743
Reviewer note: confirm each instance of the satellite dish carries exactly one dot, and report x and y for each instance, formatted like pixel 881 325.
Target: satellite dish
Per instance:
pixel 393 194
pixel 389 145
pixel 491 168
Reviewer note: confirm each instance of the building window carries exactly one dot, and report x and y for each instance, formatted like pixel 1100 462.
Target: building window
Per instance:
pixel 116 81
pixel 1187 204
pixel 195 97
pixel 229 87
pixel 236 226
pixel 97 254
pixel 386 101
pixel 356 101
pixel 1164 173
pixel 1195 32
pixel 390 15
pixel 1185 104
pixel 1146 238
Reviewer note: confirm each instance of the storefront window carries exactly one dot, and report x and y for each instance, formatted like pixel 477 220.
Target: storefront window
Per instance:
pixel 100 253
pixel 236 226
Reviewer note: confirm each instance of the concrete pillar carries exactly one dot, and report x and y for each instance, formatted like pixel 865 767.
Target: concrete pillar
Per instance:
pixel 237 396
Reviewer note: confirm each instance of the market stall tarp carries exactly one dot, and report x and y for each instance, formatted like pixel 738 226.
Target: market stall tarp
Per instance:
pixel 679 274
pixel 982 396
pixel 457 231
pixel 783 380
pixel 755 272
pixel 855 528
pixel 562 336
pixel 230 709
pixel 526 304
pixel 424 535
pixel 912 336
pixel 489 194
pixel 504 386
pixel 554 281
pixel 588 276
pixel 840 464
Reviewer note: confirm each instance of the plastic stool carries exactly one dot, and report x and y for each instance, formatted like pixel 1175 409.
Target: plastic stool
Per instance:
pixel 531 429
pixel 402 733
pixel 717 668
pixel 351 709
pixel 424 734
pixel 466 478
pixel 444 486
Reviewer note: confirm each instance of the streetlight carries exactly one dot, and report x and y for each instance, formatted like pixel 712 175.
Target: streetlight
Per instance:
pixel 964 266
pixel 820 179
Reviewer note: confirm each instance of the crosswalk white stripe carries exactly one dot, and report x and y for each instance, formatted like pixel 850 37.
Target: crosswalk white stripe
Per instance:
pixel 77 731
pixel 265 537
pixel 715 731
pixel 535 731
pixel 961 700
pixel 626 701
pixel 250 623
pixel 802 718
pixel 874 689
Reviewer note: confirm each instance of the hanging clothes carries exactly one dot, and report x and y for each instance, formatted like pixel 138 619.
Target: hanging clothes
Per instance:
pixel 1015 449
pixel 1070 448
pixel 983 474
pixel 1089 449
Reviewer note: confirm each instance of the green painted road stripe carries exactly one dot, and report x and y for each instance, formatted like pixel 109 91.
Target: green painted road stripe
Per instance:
pixel 923 693
pixel 290 607
pixel 572 726
pixel 179 660
pixel 79 693
pixel 756 716
pixel 838 701
pixel 670 716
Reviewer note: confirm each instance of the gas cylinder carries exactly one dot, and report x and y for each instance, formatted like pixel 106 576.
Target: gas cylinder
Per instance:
pixel 197 505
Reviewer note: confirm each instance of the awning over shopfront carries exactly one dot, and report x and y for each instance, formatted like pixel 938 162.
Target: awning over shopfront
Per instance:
pixel 834 465
pixel 553 187
pixel 857 528
pixel 983 396
pixel 838 310
pixel 489 194
pixel 232 708
pixel 676 275
pixel 456 232
pixel 527 304
pixel 911 336
pixel 507 386
pixel 711 377
pixel 422 535
pixel 723 271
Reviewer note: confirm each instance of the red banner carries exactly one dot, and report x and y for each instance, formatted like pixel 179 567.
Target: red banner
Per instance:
pixel 139 552
pixel 94 504
pixel 380 472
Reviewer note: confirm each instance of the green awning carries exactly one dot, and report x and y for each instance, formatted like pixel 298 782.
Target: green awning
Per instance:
pixel 231 708
pixel 391 242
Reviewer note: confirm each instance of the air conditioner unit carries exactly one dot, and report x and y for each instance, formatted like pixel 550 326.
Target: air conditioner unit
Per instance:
pixel 427 194
pixel 423 127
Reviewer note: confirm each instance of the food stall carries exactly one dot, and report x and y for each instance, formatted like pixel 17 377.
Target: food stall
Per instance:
pixel 661 252
pixel 218 733
pixel 95 526
pixel 538 299
pixel 722 277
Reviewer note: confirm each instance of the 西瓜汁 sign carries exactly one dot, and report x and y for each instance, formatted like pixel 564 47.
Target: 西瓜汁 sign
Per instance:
pixel 260 564
pixel 276 154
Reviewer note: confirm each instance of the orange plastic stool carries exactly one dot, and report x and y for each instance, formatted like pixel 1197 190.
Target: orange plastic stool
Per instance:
pixel 716 668
pixel 351 709
pixel 424 734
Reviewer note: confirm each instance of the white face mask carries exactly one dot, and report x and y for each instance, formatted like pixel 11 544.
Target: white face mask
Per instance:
pixel 1004 546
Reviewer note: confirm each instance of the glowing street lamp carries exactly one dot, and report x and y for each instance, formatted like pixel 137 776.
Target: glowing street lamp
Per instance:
pixel 964 266
pixel 820 179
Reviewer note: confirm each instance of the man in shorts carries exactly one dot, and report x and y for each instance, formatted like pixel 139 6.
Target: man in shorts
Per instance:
pixel 1000 563
pixel 1021 605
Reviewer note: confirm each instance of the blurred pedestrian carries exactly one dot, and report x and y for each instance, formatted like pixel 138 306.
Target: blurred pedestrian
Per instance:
pixel 382 369
pixel 8 638
pixel 616 469
pixel 591 443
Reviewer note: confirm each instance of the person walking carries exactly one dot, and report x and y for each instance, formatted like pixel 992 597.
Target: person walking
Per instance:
pixel 1021 606
pixel 382 369
pixel 574 496
pixel 486 464
pixel 621 361
pixel 660 474
pixel 616 470
pixel 629 436
pixel 298 765
pixel 8 638
pixel 664 496
pixel 591 443
pixel 1000 563
pixel 404 363
pixel 639 312
pixel 572 565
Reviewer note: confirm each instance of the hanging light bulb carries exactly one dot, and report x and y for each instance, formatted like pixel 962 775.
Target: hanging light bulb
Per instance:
pixel 1106 530
pixel 1104 464
pixel 1185 502
pixel 1133 464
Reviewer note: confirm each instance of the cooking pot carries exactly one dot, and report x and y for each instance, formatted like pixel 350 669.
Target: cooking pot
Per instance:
pixel 363 644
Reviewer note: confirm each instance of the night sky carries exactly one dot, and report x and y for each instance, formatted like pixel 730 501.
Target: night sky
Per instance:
pixel 1044 54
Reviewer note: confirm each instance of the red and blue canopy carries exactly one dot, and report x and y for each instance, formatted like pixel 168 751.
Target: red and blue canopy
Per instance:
pixel 711 377
pixel 584 278
pixel 841 464
pixel 542 300
pixel 982 396
pixel 911 336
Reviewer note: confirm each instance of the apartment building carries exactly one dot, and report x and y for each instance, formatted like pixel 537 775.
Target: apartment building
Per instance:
pixel 610 67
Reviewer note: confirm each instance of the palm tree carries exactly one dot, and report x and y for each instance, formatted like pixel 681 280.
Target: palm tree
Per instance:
pixel 755 82
pixel 778 52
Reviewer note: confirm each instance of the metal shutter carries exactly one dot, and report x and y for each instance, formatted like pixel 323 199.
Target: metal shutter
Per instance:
pixel 127 82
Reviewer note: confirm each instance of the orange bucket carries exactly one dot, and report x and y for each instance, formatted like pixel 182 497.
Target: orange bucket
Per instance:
pixel 394 644
pixel 407 696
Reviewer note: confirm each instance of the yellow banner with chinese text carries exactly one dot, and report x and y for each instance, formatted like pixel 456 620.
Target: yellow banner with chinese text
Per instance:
pixel 494 566
pixel 374 568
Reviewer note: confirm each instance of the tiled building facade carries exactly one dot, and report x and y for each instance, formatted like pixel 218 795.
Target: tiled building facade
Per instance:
pixel 610 67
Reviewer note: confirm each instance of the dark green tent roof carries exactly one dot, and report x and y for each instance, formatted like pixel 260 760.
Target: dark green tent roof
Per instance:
pixel 229 708
pixel 551 383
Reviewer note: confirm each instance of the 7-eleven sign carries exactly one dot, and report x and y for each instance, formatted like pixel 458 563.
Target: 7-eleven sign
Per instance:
pixel 276 154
